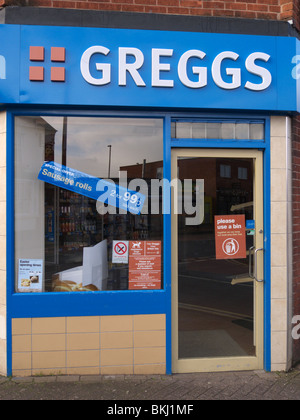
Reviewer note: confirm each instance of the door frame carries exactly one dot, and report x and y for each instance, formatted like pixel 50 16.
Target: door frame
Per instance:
pixel 226 363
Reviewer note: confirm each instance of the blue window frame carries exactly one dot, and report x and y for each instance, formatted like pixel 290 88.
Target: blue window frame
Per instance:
pixel 125 302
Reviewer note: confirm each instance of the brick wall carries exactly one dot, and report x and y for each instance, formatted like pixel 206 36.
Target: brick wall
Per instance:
pixel 252 9
pixel 296 225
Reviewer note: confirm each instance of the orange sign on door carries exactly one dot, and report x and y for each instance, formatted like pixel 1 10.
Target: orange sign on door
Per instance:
pixel 144 265
pixel 230 236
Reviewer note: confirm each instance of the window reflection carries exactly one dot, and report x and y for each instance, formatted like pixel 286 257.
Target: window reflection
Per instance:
pixel 68 227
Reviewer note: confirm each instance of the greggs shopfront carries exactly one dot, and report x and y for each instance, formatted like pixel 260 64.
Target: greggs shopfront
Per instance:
pixel 145 200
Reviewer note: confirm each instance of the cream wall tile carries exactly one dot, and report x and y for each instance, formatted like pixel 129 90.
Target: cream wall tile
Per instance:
pixel 150 355
pixel 2 184
pixel 279 314
pixel 85 341
pixel 21 343
pixel 48 359
pixel 278 250
pixel 2 122
pixel 2 218
pixel 278 185
pixel 279 126
pixel 278 283
pixel 88 324
pixel 116 340
pixel 3 358
pixel 3 253
pixel 150 369
pixel 21 361
pixel 48 325
pixel 3 287
pixel 22 373
pixel 149 322
pixel 48 342
pixel 279 217
pixel 116 323
pixel 2 322
pixel 278 152
pixel 279 367
pixel 116 357
pixel 21 326
pixel 83 358
pixel 279 347
pixel 149 338
pixel 48 371
pixel 94 370
pixel 117 370
pixel 2 150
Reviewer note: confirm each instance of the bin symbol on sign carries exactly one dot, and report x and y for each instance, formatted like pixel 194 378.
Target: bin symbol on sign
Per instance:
pixel 230 246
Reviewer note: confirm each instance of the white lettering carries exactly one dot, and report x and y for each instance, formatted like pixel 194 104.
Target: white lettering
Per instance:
pixel 104 68
pixel 131 68
pixel 201 71
pixel 2 67
pixel 158 67
pixel 295 330
pixel 235 73
pixel 259 71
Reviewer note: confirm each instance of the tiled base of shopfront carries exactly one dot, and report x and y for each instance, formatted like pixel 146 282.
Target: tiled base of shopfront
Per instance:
pixel 89 345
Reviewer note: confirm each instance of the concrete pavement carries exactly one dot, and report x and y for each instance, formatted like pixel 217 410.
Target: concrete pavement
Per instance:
pixel 185 388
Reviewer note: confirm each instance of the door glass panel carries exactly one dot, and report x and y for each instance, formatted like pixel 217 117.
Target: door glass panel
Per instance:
pixel 215 296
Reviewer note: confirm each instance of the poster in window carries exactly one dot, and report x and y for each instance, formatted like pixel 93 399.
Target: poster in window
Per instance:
pixel 230 237
pixel 144 265
pixel 30 275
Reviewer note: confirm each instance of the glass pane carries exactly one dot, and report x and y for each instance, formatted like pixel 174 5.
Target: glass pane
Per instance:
pixel 199 130
pixel 214 130
pixel 215 296
pixel 242 131
pixel 228 131
pixel 257 131
pixel 72 234
pixel 184 130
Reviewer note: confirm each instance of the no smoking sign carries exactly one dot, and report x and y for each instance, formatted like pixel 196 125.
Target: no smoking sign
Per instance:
pixel 120 252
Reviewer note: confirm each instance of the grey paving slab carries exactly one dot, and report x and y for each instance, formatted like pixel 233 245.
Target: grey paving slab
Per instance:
pixel 258 385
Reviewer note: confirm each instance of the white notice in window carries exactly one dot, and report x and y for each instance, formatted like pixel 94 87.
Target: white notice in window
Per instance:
pixel 30 278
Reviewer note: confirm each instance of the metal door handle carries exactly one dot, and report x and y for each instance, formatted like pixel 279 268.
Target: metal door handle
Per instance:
pixel 250 262
pixel 255 265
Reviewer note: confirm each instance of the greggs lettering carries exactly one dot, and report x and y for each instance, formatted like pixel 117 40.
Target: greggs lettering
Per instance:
pixel 131 61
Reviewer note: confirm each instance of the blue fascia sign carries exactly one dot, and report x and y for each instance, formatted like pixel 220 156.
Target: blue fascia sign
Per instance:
pixel 49 65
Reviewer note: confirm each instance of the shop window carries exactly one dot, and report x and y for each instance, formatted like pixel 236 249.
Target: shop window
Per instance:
pixel 66 241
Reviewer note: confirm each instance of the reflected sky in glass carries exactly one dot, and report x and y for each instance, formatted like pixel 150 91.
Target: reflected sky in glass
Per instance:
pixel 132 140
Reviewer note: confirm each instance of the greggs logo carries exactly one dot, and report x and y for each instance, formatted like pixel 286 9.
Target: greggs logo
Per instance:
pixel 131 61
pixel 37 56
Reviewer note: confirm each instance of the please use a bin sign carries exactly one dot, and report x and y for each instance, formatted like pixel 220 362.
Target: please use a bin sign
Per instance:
pixel 230 237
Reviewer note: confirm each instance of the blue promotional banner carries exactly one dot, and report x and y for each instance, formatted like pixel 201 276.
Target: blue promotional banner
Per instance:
pixel 98 189
pixel 48 65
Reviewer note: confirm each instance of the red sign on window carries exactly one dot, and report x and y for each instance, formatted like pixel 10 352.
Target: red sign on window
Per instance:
pixel 144 265
pixel 230 236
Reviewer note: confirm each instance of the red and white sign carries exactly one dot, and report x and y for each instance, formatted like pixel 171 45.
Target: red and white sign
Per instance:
pixel 230 236
pixel 120 252
pixel 144 265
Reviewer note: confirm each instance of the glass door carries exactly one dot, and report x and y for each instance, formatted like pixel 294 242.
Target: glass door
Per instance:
pixel 217 260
